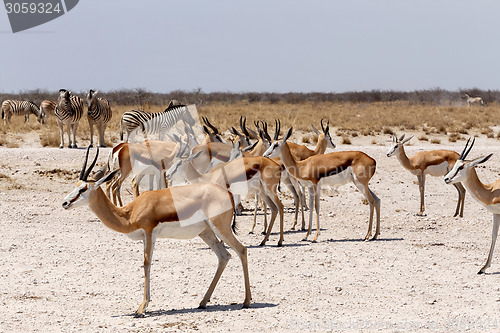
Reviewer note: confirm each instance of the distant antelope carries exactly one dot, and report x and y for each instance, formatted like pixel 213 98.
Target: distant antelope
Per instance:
pixel 21 108
pixel 69 110
pixel 99 113
pixel 473 100
pixel 488 195
pixel 434 163
pixel 336 168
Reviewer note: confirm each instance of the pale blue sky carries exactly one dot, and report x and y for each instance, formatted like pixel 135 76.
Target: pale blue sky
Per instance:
pixel 274 46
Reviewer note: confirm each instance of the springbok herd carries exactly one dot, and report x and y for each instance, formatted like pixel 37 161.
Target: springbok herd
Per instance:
pixel 207 179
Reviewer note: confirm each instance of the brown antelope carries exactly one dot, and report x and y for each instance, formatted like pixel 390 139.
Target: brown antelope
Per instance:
pixel 302 152
pixel 213 136
pixel 242 176
pixel 182 212
pixel 147 157
pixel 488 195
pixel 434 163
pixel 336 168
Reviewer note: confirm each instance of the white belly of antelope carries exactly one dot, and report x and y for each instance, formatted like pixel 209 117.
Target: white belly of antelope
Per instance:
pixel 339 179
pixel 184 229
pixel 437 170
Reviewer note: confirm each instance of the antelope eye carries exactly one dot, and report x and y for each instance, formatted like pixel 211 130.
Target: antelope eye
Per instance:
pixel 83 189
pixel 460 167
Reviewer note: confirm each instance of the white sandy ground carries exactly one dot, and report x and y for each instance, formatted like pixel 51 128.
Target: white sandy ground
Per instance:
pixel 64 271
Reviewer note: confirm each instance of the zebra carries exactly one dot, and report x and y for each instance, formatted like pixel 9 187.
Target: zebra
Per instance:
pixel 69 110
pixel 47 107
pixel 11 107
pixel 98 113
pixel 159 122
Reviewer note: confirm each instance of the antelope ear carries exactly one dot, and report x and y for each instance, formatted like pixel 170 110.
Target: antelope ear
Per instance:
pixel 315 130
pixel 106 178
pixel 480 160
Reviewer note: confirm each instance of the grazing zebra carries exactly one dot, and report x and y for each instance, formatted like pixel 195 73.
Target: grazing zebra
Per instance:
pixel 47 107
pixel 98 113
pixel 473 100
pixel 69 110
pixel 19 108
pixel 159 122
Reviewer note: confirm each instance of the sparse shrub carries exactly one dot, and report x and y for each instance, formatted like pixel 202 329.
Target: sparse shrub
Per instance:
pixel 374 142
pixel 436 141
pixel 442 129
pixel 49 139
pixel 423 138
pixel 346 140
pixel 388 130
pixel 453 137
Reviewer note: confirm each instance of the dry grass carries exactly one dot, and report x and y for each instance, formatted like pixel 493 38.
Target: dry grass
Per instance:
pixel 349 119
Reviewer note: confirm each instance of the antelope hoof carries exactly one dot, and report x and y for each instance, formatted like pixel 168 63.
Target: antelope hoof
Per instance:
pixel 139 315
pixel 421 214
pixel 246 305
pixel 251 232
pixel 262 244
pixel 61 147
pixel 280 244
pixel 202 306
pixel 103 146
pixel 481 272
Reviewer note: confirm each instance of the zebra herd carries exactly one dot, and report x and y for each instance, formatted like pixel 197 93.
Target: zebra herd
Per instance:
pixel 68 110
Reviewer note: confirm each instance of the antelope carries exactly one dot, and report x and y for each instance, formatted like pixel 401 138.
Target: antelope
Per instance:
pixel 473 100
pixel 213 136
pixel 182 212
pixel 488 195
pixel 242 176
pixel 336 168
pixel 434 163
pixel 139 158
pixel 301 152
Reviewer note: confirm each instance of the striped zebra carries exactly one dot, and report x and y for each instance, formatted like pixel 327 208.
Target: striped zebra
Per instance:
pixel 98 113
pixel 69 110
pixel 159 122
pixel 47 107
pixel 19 108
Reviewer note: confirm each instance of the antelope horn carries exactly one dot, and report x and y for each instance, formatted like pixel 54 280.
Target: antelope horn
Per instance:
pixel 82 173
pixel 466 151
pixel 87 173
pixel 278 128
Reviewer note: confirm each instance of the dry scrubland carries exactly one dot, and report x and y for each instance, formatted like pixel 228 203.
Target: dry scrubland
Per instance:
pixel 65 271
pixel 434 123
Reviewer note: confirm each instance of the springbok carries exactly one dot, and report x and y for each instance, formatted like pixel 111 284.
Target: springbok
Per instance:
pixel 434 163
pixel 488 195
pixel 473 100
pixel 242 176
pixel 150 156
pixel 182 212
pixel 336 168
